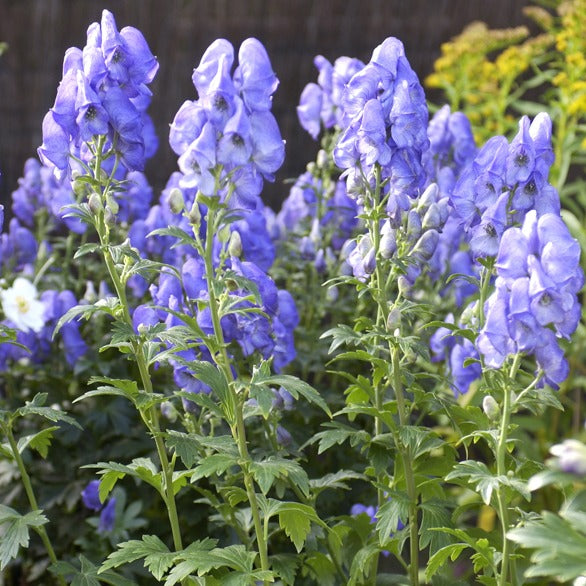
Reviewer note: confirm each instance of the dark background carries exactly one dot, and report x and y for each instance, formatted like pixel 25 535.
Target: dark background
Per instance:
pixel 178 31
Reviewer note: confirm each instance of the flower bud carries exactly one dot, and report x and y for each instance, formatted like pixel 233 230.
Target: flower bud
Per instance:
pixel 332 294
pixel 112 204
pixel 444 210
pixel 322 158
pixel 404 286
pixel 168 411
pixel 95 203
pixel 426 245
pixel 109 217
pixel 413 226
pixel 284 438
pixel 388 241
pixel 369 262
pixel 176 200
pixel 429 196
pixel 194 215
pixel 320 261
pixel 491 408
pixel 394 319
pixel 432 218
pixel 235 244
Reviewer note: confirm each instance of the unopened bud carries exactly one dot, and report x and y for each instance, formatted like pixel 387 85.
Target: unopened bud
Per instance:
pixel 112 204
pixel 426 245
pixel 491 408
pixel 388 241
pixel 310 167
pixel 168 411
pixel 176 201
pixel 332 294
pixel 322 158
pixel 404 286
pixel 109 217
pixel 142 329
pixel 194 215
pixel 394 319
pixel 429 196
pixel 432 218
pixel 95 203
pixel 369 262
pixel 235 244
pixel 413 226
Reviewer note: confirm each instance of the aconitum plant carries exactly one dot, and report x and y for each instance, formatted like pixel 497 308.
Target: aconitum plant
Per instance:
pixel 195 369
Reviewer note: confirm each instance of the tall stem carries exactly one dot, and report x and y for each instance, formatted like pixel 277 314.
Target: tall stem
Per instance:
pixel 237 427
pixel 408 470
pixel 28 488
pixel 502 471
pixel 151 416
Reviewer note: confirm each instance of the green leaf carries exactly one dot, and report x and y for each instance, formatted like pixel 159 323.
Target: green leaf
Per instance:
pixel 212 376
pixel 295 386
pixel 35 407
pixel 560 546
pixel 478 474
pixel 108 305
pixel 87 248
pixel 157 557
pixel 14 531
pixel 295 519
pixel 395 510
pixel 192 558
pixel 186 447
pixel 39 441
pixel 338 434
pixel 322 567
pixel 296 527
pixel 435 515
pixel 440 557
pixel 266 471
pixel 421 440
pixel 214 464
pixel 335 481
pixel 285 567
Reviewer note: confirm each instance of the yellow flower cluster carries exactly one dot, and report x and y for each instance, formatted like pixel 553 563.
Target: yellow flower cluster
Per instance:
pixel 478 71
pixel 571 44
pixel 491 75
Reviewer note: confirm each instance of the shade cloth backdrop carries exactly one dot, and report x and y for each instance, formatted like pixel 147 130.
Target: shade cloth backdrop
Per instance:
pixel 178 31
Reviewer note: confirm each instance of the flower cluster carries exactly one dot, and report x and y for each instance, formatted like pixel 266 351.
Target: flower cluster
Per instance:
pixel 228 136
pixel 318 222
pixel 384 122
pixel 320 103
pixel 535 301
pixel 504 182
pixel 103 93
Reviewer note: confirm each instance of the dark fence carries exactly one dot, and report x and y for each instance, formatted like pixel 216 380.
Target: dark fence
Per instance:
pixel 178 31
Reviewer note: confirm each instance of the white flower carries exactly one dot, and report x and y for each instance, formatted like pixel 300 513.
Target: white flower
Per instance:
pixel 21 306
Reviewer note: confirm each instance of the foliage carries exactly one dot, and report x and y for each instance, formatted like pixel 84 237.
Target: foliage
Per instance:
pixel 361 388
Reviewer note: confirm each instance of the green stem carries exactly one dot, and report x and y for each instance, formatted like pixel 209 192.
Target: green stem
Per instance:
pixel 407 469
pixel 28 487
pixel 237 427
pixel 151 417
pixel 502 471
